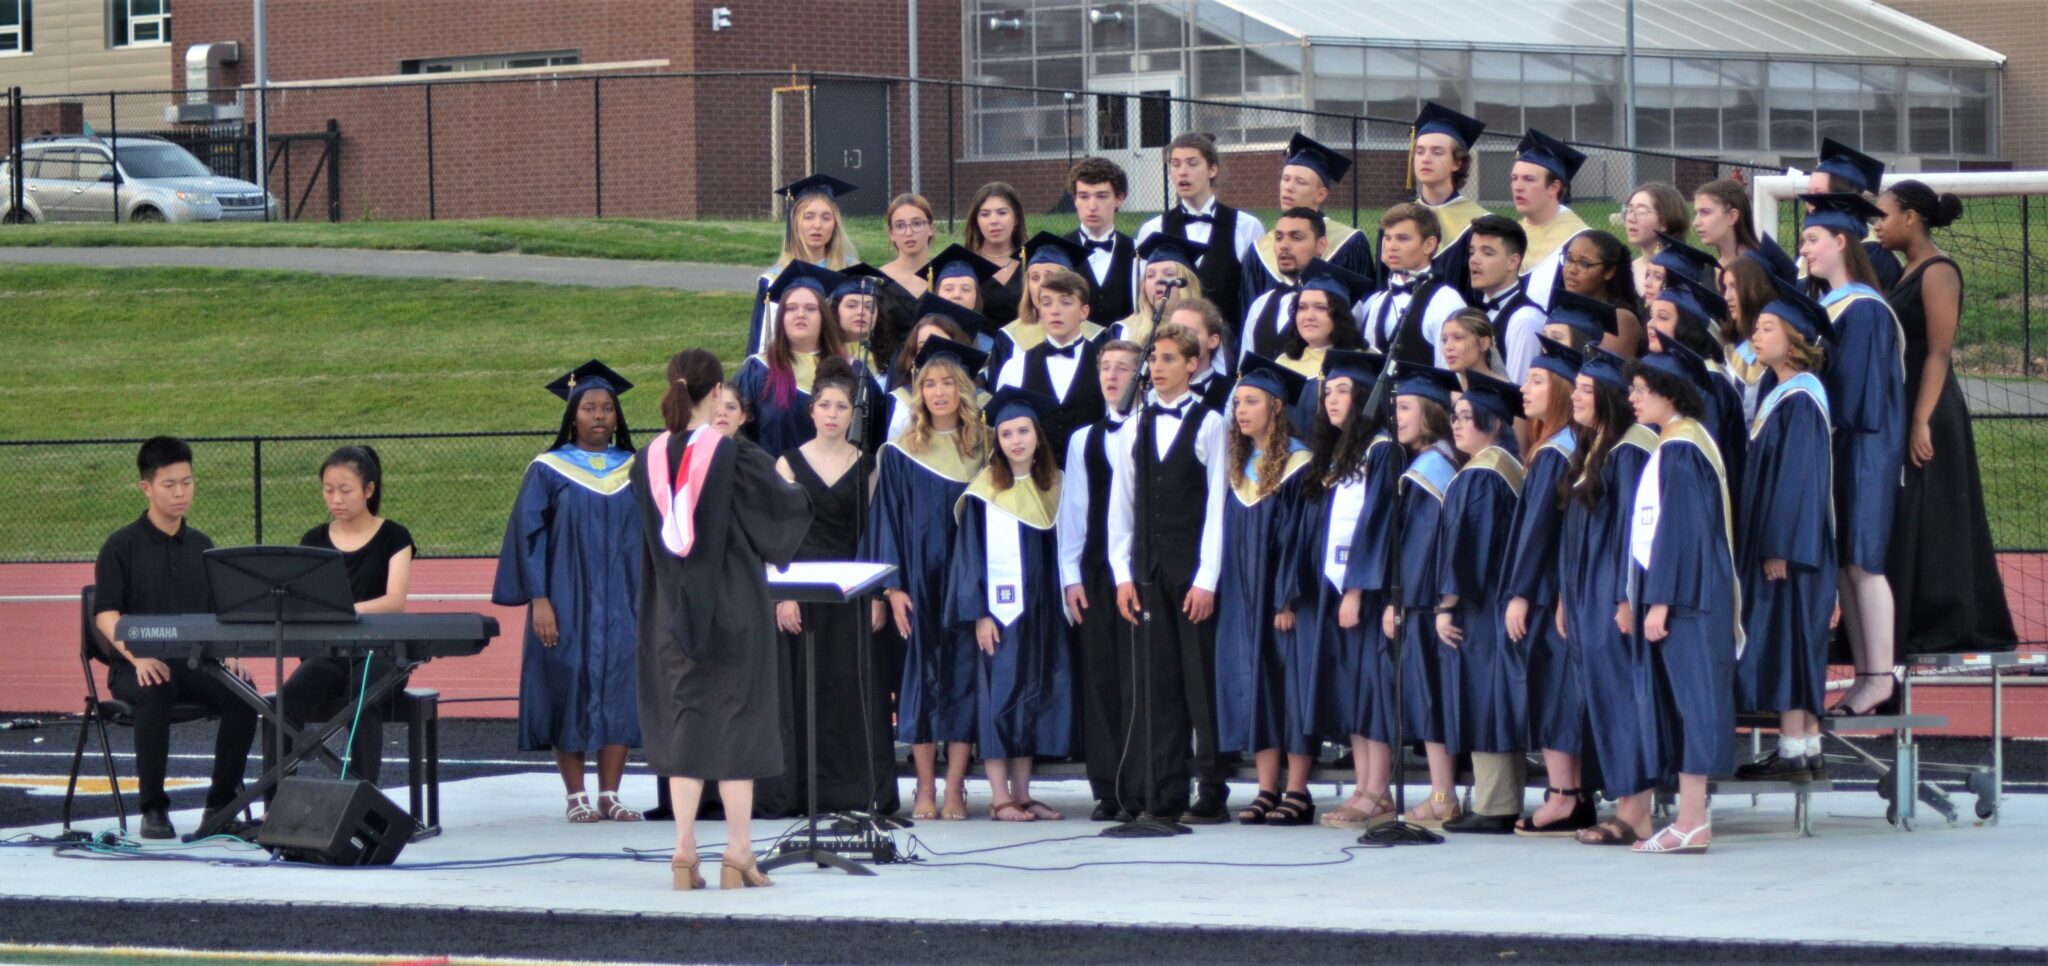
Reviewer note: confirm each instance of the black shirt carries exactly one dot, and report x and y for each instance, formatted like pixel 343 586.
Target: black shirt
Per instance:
pixel 369 566
pixel 143 570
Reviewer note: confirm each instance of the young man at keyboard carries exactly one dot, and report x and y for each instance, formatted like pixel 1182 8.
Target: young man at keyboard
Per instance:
pixel 153 566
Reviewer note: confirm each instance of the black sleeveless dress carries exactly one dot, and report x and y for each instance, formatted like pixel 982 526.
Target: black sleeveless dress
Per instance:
pixel 856 742
pixel 1943 572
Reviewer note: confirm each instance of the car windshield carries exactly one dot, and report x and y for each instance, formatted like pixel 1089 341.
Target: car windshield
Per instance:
pixel 161 161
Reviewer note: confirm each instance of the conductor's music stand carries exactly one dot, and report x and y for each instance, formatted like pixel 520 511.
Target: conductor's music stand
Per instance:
pixel 819 582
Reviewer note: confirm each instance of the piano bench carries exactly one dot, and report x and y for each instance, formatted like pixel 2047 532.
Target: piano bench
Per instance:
pixel 419 709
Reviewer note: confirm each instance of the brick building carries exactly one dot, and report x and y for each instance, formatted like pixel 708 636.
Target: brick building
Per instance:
pixel 2018 29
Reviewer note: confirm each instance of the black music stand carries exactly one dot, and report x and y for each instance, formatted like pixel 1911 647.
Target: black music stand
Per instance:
pixel 818 582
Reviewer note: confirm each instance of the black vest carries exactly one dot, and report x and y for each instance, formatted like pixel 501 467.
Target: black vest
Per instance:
pixel 1168 543
pixel 1095 456
pixel 1110 301
pixel 1221 273
pixel 1415 348
pixel 1082 403
pixel 1215 391
pixel 1268 337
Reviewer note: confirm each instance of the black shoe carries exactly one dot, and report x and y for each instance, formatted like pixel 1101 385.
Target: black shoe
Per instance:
pixel 1774 768
pixel 1211 807
pixel 233 826
pixel 1482 824
pixel 1104 812
pixel 1817 766
pixel 156 824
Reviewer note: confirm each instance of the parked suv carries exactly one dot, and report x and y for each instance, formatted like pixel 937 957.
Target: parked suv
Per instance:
pixel 76 179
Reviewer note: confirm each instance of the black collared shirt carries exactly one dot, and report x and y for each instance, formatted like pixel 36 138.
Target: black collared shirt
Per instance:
pixel 143 570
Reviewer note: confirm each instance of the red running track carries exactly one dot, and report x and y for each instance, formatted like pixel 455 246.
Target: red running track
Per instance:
pixel 39 671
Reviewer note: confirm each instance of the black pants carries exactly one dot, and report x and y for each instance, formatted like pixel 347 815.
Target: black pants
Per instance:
pixel 1102 642
pixel 323 687
pixel 1181 659
pixel 152 706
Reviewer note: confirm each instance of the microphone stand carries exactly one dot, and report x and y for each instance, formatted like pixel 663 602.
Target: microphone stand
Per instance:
pixel 1148 824
pixel 1380 407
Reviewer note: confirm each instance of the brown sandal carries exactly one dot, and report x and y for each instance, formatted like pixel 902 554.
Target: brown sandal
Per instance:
pixel 999 809
pixel 1614 831
pixel 1041 811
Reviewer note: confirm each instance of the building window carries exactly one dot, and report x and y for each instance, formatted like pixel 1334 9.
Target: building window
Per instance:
pixel 16 35
pixel 463 65
pixel 138 23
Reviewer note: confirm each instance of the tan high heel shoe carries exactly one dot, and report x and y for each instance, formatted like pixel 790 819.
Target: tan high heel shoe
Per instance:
pixel 749 876
pixel 685 873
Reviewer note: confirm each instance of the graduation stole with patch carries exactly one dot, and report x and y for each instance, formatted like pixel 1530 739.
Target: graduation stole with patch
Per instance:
pixel 1347 504
pixel 1007 512
pixel 1649 504
pixel 677 504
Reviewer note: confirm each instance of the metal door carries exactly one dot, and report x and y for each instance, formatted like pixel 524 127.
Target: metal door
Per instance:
pixel 850 132
pixel 1130 120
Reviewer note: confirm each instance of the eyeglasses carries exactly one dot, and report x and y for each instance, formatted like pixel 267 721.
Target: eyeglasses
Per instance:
pixel 903 226
pixel 1584 265
pixel 1640 211
pixel 1461 419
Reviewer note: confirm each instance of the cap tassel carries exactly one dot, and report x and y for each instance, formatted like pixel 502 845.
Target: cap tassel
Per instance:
pixel 1411 159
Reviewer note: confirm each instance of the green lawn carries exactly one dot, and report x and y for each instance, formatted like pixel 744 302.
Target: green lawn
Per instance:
pixel 199 352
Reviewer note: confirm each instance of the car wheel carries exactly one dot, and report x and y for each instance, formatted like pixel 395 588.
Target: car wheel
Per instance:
pixel 19 218
pixel 146 215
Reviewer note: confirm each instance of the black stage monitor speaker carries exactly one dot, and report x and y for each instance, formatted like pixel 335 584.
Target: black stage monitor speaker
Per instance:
pixel 328 822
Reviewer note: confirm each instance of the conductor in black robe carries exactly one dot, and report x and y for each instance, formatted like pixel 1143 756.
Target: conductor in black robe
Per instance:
pixel 714 513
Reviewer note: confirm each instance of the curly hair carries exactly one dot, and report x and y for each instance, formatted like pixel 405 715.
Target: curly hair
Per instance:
pixel 1612 416
pixel 1274 449
pixel 1338 454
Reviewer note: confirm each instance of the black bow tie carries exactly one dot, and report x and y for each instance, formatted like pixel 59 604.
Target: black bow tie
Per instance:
pixel 1204 219
pixel 1107 244
pixel 1177 410
pixel 1066 353
pixel 1401 288
pixel 1493 305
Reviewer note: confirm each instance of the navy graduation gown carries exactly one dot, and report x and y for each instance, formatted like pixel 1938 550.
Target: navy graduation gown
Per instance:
pixel 1722 401
pixel 1353 671
pixel 1692 572
pixel 911 525
pixel 1024 692
pixel 1787 516
pixel 1557 707
pixel 775 427
pixel 1262 697
pixel 1866 386
pixel 1421 507
pixel 574 538
pixel 1615 673
pixel 1485 677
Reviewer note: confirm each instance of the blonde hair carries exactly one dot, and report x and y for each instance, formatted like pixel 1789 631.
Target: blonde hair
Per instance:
pixel 1142 314
pixel 971 439
pixel 838 252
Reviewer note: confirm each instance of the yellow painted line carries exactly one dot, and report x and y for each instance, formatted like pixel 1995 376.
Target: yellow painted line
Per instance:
pixel 88 784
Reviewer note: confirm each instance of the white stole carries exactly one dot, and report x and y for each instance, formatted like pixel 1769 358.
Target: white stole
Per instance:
pixel 1004 562
pixel 1347 503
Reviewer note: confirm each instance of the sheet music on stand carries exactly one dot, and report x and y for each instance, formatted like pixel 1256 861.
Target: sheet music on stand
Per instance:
pixel 850 577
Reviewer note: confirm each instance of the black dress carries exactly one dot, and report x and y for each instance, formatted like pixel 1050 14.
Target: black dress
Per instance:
pixel 1943 572
pixel 321 687
pixel 710 701
pixel 1000 300
pixel 856 743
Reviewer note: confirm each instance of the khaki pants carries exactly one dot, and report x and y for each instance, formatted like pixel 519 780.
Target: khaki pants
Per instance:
pixel 1498 779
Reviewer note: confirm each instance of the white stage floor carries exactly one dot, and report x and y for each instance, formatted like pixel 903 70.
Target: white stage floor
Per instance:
pixel 1856 880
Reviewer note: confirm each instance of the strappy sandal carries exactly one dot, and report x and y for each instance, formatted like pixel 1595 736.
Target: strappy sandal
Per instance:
pixel 1614 831
pixel 1041 811
pixel 1000 810
pixel 924 813
pixel 732 875
pixel 1427 814
pixel 1684 844
pixel 954 813
pixel 1843 710
pixel 1570 825
pixel 685 873
pixel 580 812
pixel 1295 808
pixel 612 810
pixel 1261 806
pixel 1381 813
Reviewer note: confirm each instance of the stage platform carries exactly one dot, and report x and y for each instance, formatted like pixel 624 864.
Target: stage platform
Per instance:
pixel 1856 881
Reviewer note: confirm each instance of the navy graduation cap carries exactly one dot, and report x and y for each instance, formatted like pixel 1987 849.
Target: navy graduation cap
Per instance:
pixel 1162 247
pixel 1706 305
pixel 1497 396
pixel 957 262
pixel 931 303
pixel 802 274
pixel 1012 402
pixel 1677 359
pixel 859 278
pixel 1348 285
pixel 1556 358
pixel 1677 256
pixel 1550 154
pixel 1313 155
pixel 1860 170
pixel 1587 316
pixel 1360 365
pixel 1046 248
pixel 1604 366
pixel 817 184
pixel 1773 258
pixel 588 376
pixel 1438 119
pixel 1800 311
pixel 1842 211
pixel 1427 382
pixel 940 347
pixel 1278 381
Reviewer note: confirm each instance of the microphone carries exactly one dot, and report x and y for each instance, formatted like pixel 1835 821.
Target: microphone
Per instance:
pixel 20 724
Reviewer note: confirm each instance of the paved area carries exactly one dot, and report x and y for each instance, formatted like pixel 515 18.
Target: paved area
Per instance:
pixel 549 270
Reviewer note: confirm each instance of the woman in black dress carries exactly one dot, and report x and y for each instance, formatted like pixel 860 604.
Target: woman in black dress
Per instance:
pixel 378 556
pixel 713 514
pixel 856 769
pixel 1945 584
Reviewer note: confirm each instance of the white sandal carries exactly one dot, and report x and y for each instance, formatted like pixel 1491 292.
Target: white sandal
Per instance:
pixel 1655 843
pixel 612 810
pixel 580 812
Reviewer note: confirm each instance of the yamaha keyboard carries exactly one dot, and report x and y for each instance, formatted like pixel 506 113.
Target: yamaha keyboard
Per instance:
pixel 409 637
